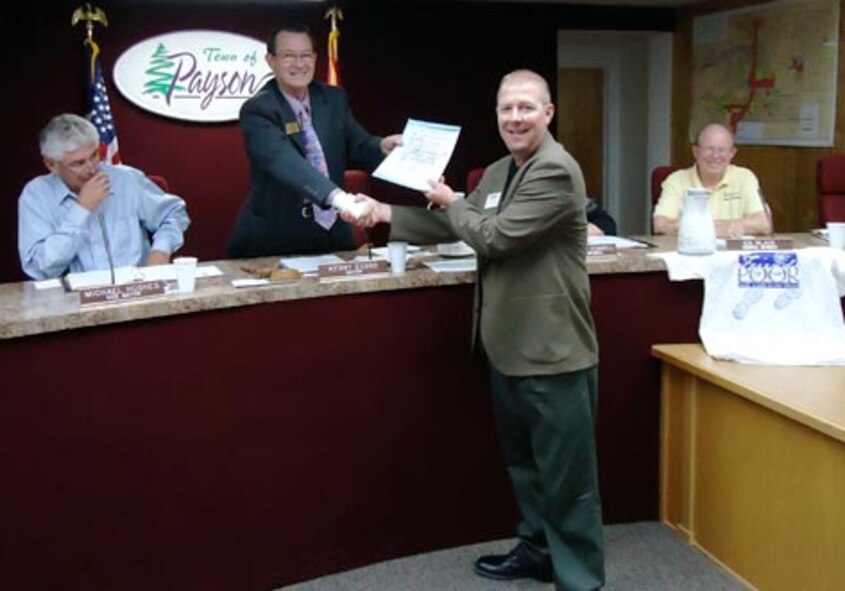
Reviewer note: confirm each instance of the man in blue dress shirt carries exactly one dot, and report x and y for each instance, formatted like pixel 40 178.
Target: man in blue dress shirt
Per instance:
pixel 84 212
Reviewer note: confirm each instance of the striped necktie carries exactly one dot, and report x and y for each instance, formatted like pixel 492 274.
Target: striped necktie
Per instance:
pixel 314 152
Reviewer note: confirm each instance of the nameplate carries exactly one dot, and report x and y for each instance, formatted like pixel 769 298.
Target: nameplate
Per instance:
pixel 759 244
pixel 598 251
pixel 353 269
pixel 112 294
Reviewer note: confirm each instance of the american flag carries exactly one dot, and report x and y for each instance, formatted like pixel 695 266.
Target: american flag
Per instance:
pixel 334 58
pixel 98 102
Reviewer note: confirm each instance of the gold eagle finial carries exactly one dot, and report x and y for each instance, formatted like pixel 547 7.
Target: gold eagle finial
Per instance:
pixel 90 15
pixel 336 14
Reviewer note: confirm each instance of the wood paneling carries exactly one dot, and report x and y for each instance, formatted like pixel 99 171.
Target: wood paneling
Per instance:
pixel 787 174
pixel 580 122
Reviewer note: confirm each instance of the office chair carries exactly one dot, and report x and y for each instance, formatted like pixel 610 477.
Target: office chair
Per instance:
pixel 160 181
pixel 473 177
pixel 830 185
pixel 658 175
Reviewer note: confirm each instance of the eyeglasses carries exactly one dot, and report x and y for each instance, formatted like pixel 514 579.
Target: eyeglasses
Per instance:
pixel 83 164
pixel 715 151
pixel 289 57
pixel 523 109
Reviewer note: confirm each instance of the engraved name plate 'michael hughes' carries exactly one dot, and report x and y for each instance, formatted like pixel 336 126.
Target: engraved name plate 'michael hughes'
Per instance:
pixel 112 294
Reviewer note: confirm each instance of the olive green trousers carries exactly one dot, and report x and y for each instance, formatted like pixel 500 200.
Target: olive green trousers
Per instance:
pixel 546 426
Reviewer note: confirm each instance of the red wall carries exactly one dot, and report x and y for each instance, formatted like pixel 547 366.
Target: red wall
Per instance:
pixel 280 465
pixel 438 61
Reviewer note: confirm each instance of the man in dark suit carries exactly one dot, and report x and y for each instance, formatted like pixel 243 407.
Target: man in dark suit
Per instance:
pixel 527 222
pixel 300 136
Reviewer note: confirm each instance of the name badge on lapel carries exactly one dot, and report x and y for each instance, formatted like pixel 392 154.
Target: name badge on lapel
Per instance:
pixel 291 127
pixel 492 200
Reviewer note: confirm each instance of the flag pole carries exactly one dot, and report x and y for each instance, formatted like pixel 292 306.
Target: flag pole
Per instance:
pixel 98 99
pixel 336 14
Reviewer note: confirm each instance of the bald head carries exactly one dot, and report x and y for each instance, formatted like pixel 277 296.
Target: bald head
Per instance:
pixel 718 131
pixel 527 77
pixel 713 150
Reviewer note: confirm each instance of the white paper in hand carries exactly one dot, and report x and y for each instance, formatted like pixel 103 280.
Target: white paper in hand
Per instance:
pixel 425 151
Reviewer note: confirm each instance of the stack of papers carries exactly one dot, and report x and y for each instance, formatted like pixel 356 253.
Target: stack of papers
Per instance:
pixel 310 264
pixel 617 241
pixel 453 266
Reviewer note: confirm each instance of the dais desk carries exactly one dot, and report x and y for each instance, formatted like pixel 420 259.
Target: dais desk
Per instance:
pixel 753 466
pixel 246 439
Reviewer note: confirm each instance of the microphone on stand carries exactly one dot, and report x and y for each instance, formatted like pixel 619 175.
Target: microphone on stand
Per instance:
pixel 107 245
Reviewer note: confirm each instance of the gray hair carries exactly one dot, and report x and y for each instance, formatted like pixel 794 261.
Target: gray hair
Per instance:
pixel 65 133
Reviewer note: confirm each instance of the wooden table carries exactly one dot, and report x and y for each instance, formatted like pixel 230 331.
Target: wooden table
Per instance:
pixel 753 466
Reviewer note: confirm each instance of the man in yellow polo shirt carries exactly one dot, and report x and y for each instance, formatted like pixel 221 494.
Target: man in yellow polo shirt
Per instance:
pixel 735 198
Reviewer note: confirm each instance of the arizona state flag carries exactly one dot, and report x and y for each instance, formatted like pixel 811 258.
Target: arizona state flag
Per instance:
pixel 333 77
pixel 98 103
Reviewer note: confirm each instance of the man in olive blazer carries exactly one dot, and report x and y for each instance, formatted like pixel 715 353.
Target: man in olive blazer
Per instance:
pixel 527 222
pixel 278 217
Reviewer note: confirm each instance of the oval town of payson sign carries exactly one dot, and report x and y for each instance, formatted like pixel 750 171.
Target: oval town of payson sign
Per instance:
pixel 193 75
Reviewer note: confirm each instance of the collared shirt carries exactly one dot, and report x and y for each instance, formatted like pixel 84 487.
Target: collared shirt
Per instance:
pixel 736 196
pixel 56 234
pixel 297 105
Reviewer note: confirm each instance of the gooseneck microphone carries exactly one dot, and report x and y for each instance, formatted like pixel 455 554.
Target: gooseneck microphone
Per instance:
pixel 105 234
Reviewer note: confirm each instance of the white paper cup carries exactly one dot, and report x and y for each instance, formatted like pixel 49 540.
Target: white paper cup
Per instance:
pixel 836 234
pixel 186 273
pixel 397 252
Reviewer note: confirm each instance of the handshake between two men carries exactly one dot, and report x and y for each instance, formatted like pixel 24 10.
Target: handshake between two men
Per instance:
pixel 364 211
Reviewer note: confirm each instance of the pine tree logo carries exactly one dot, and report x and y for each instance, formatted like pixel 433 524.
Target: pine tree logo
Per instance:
pixel 161 81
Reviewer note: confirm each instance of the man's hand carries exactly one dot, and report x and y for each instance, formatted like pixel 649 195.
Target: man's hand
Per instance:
pixel 376 212
pixel 441 194
pixel 351 209
pixel 729 228
pixel 388 143
pixel 665 225
pixel 94 191
pixel 158 257
pixel 594 230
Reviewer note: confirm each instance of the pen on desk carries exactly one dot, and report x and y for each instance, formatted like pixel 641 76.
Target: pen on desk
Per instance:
pixel 370 250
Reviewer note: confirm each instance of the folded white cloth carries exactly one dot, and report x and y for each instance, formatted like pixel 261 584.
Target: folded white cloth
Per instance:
pixel 685 267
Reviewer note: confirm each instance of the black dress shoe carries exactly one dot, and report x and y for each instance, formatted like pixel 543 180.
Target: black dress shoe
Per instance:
pixel 506 567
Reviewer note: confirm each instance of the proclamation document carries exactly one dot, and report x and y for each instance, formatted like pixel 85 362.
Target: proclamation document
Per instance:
pixel 426 150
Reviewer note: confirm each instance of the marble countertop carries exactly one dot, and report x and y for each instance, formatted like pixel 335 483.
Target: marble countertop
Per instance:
pixel 25 310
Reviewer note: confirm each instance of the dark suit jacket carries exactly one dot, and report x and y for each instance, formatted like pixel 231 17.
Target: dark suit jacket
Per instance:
pixel 283 183
pixel 598 216
pixel 532 305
